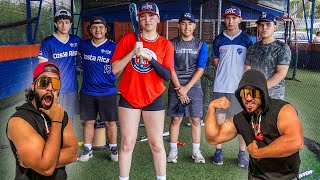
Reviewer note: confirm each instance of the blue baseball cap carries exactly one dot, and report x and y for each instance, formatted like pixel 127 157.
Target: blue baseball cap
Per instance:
pixel 267 18
pixel 232 10
pixel 187 16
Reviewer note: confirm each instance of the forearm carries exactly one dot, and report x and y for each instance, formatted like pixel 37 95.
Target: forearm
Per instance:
pixel 175 80
pixel 50 153
pixel 195 78
pixel 120 64
pixel 162 71
pixel 276 148
pixel 67 156
pixel 275 79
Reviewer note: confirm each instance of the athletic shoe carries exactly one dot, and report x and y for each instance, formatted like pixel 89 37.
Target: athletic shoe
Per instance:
pixel 86 155
pixel 114 154
pixel 217 157
pixel 198 158
pixel 172 157
pixel 242 160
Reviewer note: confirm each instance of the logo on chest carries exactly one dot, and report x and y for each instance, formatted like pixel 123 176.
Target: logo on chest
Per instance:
pixel 135 61
pixel 239 51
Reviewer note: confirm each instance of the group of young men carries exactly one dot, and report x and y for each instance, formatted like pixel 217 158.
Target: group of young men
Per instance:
pixel 259 120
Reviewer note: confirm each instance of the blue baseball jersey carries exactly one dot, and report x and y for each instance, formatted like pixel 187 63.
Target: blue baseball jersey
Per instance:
pixel 98 79
pixel 64 56
pixel 231 52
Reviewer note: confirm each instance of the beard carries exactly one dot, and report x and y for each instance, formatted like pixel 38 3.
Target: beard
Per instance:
pixel 39 100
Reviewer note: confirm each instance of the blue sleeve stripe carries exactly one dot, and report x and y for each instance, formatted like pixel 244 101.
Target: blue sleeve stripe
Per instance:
pixel 203 56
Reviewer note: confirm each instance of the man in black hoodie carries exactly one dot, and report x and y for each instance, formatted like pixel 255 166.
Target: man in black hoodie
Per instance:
pixel 40 131
pixel 270 127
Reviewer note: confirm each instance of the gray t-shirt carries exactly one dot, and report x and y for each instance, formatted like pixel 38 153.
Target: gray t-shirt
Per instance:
pixel 266 57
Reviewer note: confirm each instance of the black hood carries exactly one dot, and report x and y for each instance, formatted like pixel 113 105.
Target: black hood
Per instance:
pixel 256 79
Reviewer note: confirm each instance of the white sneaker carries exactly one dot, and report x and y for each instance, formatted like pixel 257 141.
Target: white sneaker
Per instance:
pixel 172 157
pixel 114 154
pixel 198 158
pixel 86 155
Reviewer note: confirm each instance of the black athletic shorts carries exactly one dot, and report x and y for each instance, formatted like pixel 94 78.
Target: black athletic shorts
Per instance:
pixel 106 106
pixel 156 105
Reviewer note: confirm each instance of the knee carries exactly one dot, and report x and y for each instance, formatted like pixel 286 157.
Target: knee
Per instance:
pixel 195 121
pixel 156 147
pixel 127 146
pixel 176 121
pixel 110 124
pixel 89 123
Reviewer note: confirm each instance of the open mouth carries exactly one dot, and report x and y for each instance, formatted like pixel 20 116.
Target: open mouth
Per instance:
pixel 47 100
pixel 250 105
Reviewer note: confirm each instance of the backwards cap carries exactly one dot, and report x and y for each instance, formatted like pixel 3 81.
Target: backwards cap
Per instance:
pixel 41 68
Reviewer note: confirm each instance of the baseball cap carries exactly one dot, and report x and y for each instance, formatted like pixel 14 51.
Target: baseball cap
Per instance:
pixel 103 21
pixel 148 7
pixel 232 10
pixel 187 16
pixel 62 12
pixel 267 17
pixel 41 68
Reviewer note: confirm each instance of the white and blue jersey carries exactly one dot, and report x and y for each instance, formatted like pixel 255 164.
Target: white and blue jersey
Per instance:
pixel 64 56
pixel 231 52
pixel 98 79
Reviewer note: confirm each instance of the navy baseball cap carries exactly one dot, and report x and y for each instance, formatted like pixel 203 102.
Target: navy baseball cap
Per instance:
pixel 148 7
pixel 232 10
pixel 103 21
pixel 267 18
pixel 187 16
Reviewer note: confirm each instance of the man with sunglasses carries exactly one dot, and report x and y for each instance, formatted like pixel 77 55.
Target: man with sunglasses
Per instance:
pixel 270 56
pixel 61 48
pixel 270 127
pixel 40 131
pixel 98 92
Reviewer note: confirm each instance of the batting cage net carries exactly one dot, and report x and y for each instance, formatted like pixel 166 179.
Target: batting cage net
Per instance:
pixel 15 26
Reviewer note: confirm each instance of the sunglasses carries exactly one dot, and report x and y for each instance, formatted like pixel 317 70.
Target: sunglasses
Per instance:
pixel 43 82
pixel 254 93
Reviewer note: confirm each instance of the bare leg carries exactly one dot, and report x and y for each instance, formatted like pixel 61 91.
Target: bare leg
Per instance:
pixel 174 129
pixel 112 131
pixel 88 131
pixel 195 129
pixel 154 122
pixel 129 123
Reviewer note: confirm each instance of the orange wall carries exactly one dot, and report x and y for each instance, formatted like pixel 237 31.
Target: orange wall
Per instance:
pixel 18 52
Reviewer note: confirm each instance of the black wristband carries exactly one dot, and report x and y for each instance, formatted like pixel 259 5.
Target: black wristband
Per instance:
pixel 57 122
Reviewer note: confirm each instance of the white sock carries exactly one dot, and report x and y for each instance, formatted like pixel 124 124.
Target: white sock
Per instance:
pixel 88 145
pixel 195 148
pixel 174 147
pixel 112 145
pixel 162 177
pixel 123 178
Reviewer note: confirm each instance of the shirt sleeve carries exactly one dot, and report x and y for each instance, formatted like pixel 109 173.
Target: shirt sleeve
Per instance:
pixel 123 48
pixel 169 57
pixel 284 56
pixel 215 49
pixel 203 56
pixel 44 50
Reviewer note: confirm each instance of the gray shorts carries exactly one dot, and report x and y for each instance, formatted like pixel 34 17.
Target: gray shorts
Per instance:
pixel 195 107
pixel 70 103
pixel 234 108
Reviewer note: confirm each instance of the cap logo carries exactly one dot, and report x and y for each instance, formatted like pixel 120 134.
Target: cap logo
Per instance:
pixel 147 7
pixel 230 10
pixel 264 15
pixel 187 15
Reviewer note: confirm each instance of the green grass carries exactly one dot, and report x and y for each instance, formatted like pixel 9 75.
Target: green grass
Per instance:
pixel 303 95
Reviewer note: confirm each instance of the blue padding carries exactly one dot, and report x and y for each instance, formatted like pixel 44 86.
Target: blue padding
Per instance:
pixel 16 75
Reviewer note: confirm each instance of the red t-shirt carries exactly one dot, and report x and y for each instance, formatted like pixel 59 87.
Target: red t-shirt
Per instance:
pixel 141 86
